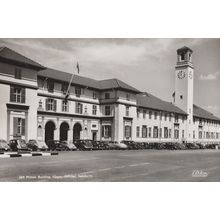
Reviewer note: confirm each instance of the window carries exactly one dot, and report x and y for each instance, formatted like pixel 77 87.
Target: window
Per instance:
pixel 18 126
pixel 169 117
pixel 150 114
pixel 51 104
pixel 183 119
pixel 176 134
pixel 165 117
pixel 17 73
pixel 65 106
pixel 155 115
pixel 138 113
pixel 200 134
pixel 176 118
pixel 155 132
pixel 144 114
pixel 144 131
pixel 79 108
pixel 106 131
pixel 17 94
pixel 40 104
pixel 40 83
pixel 78 91
pixel 107 95
pixel 190 56
pixel 165 130
pixel 86 109
pixel 182 56
pixel 181 96
pixel 127 111
pixel 127 131
pixel 149 132
pixel 64 87
pixel 94 109
pixel 107 110
pixel 94 95
pixel 137 131
pixel 160 133
pixel 182 133
pixel 127 96
pixel 170 131
pixel 50 85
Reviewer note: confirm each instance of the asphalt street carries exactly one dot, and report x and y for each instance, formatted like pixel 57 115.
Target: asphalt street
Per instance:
pixel 115 166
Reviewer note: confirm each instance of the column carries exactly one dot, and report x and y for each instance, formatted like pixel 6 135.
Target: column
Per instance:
pixel 8 125
pixel 26 126
pixel 57 131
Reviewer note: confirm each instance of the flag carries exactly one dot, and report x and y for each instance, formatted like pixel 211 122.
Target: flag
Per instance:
pixel 77 66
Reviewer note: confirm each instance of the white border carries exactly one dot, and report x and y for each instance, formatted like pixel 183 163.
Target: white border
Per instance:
pixel 115 18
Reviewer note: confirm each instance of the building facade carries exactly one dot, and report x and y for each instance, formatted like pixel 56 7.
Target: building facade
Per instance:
pixel 33 106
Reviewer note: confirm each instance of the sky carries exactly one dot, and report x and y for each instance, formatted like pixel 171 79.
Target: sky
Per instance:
pixel 146 64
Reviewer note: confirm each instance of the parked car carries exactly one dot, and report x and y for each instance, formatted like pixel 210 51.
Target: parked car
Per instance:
pixel 4 145
pixel 103 145
pixel 201 146
pixel 96 145
pixel 37 145
pixel 210 146
pixel 192 146
pixel 18 145
pixel 68 145
pixel 111 145
pixel 54 145
pixel 120 145
pixel 131 145
pixel 83 144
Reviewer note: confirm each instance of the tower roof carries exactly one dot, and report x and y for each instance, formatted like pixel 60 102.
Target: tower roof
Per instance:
pixel 184 49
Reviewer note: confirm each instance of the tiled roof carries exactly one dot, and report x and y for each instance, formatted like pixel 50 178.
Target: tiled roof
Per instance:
pixel 202 113
pixel 116 83
pixel 66 77
pixel 147 100
pixel 87 82
pixel 11 55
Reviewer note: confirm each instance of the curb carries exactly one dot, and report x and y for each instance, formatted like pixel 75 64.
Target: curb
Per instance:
pixel 15 154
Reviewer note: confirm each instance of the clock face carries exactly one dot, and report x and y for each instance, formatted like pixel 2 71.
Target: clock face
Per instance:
pixel 181 74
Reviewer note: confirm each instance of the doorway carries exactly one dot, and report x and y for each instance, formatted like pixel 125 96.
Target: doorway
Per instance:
pixel 77 128
pixel 64 127
pixel 49 131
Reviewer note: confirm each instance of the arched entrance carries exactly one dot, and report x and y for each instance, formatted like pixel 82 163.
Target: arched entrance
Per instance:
pixel 64 127
pixel 76 131
pixel 49 131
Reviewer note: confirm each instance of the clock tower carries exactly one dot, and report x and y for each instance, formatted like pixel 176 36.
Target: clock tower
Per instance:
pixel 184 73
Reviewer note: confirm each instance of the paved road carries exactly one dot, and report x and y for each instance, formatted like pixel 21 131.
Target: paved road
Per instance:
pixel 129 166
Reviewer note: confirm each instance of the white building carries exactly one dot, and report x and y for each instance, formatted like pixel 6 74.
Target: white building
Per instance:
pixel 32 106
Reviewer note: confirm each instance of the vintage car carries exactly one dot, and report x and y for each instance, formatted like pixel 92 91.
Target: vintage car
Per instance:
pixel 37 145
pixel 83 144
pixel 18 145
pixel 4 145
pixel 68 145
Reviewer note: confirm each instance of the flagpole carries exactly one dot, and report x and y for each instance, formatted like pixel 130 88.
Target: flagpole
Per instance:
pixel 66 96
